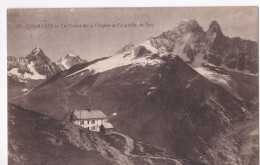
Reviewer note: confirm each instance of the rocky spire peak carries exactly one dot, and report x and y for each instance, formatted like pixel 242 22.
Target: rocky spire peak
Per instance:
pixel 214 27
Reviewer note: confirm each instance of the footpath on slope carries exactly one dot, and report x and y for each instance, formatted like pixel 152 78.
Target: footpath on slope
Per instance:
pixel 129 146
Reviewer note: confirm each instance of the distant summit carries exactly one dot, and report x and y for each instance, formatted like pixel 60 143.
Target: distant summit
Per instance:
pixel 35 65
pixel 69 60
pixel 186 26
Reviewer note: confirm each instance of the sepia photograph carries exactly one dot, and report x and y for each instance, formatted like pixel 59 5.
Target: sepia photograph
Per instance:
pixel 133 86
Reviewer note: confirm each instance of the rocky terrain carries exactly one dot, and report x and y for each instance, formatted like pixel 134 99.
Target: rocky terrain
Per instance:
pixel 195 46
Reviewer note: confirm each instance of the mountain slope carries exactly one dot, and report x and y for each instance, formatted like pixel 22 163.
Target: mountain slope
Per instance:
pixel 229 62
pixel 242 86
pixel 39 139
pixel 189 111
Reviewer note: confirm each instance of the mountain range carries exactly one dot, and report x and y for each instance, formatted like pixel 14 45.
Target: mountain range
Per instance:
pixel 196 46
pixel 25 73
pixel 179 90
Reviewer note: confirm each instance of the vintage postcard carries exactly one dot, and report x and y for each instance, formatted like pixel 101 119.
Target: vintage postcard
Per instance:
pixel 133 86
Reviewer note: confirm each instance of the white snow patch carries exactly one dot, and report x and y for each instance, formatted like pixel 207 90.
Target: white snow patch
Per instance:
pixel 152 88
pixel 246 71
pixel 114 114
pixel 24 90
pixel 15 72
pixel 49 68
pixel 213 76
pixel 21 80
pixel 63 62
pixel 72 55
pixel 147 44
pixel 149 93
pixel 37 49
pixel 246 112
pixel 35 75
pixel 221 111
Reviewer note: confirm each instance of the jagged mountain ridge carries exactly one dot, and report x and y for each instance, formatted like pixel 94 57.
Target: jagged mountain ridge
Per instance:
pixel 69 60
pixel 36 65
pixel 194 45
pixel 25 73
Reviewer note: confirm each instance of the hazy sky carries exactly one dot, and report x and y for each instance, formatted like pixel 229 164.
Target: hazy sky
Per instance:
pixel 94 42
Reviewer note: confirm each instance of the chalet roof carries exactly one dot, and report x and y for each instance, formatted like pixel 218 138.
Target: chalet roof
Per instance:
pixel 107 125
pixel 89 114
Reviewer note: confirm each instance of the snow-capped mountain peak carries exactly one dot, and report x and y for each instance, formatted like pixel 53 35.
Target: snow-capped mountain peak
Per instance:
pixel 34 66
pixel 37 49
pixel 70 55
pixel 196 46
pixel 68 61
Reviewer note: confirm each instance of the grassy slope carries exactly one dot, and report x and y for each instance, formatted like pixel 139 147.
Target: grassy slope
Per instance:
pixel 37 139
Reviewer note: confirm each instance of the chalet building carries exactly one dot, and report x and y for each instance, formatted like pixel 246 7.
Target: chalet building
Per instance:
pixel 106 128
pixel 90 119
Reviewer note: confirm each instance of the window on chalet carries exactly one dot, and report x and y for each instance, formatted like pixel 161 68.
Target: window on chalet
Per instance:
pixel 93 121
pixel 82 122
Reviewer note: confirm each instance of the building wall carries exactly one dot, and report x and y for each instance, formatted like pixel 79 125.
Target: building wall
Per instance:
pixel 91 124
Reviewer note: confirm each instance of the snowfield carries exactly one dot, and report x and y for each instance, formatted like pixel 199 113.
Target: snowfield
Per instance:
pixel 123 59
pixel 14 71
pixel 34 76
pixel 64 63
pixel 213 76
